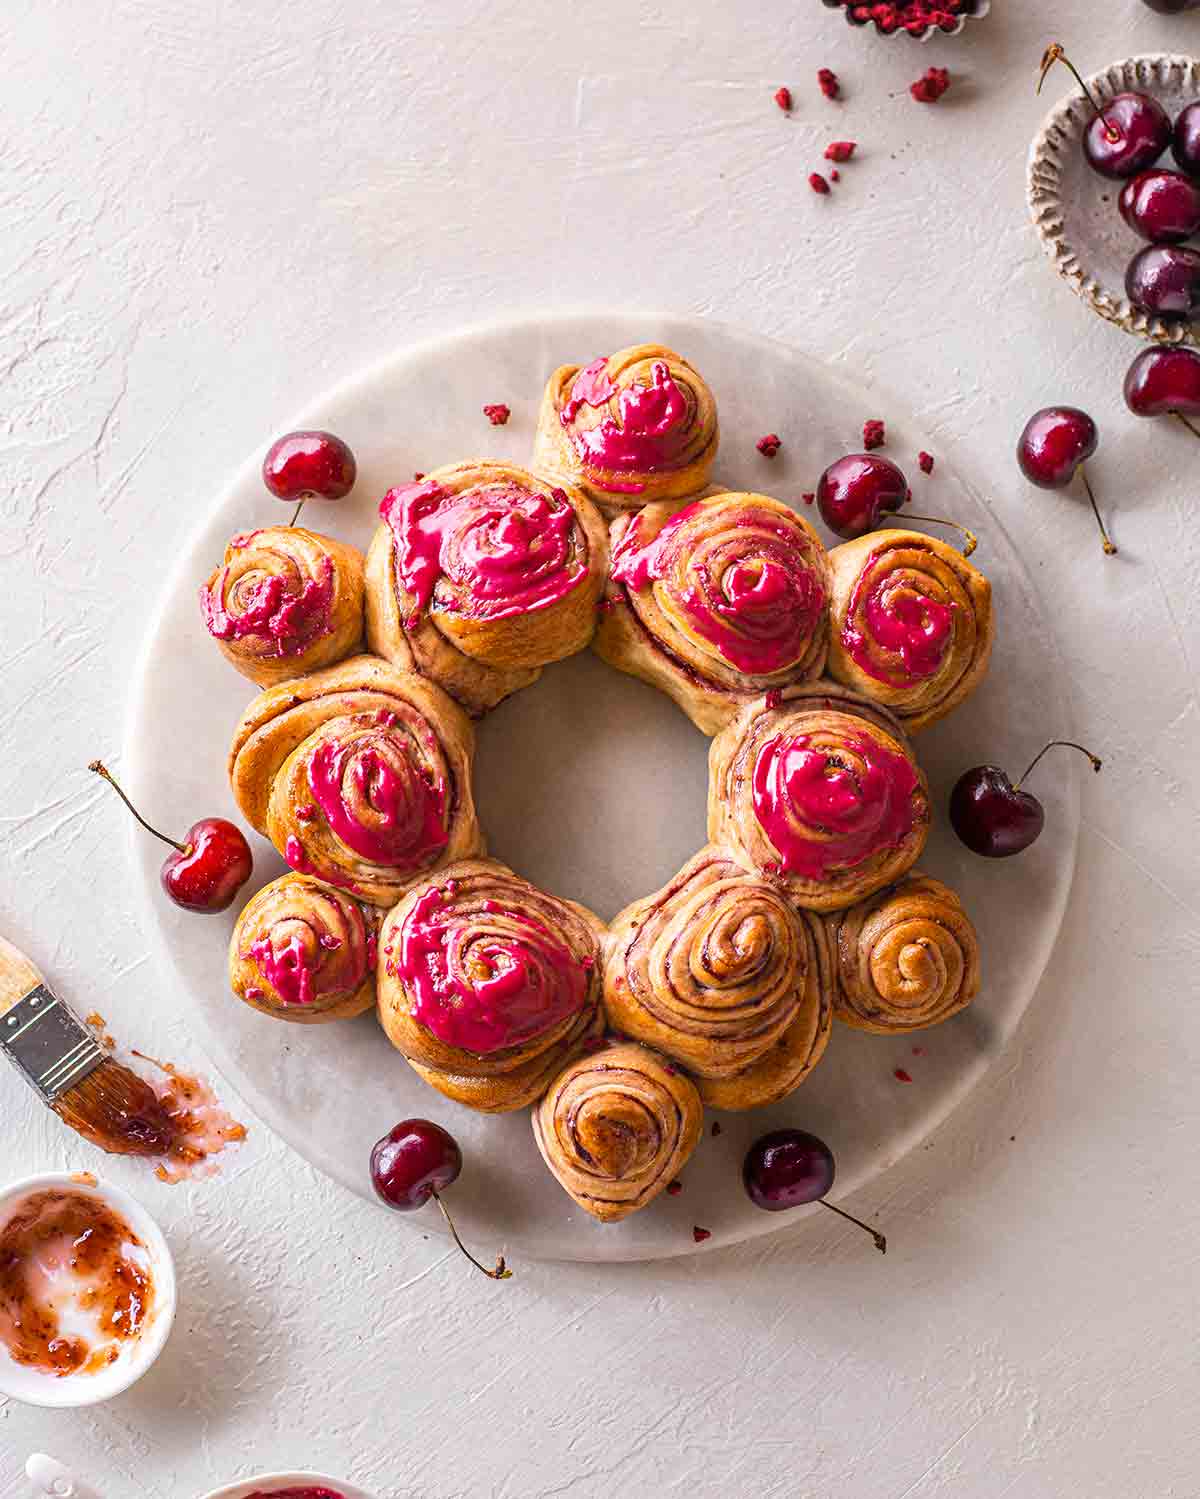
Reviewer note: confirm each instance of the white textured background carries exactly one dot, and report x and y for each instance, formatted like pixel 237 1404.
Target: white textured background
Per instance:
pixel 213 210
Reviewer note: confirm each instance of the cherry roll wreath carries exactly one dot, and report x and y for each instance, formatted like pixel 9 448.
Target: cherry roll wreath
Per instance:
pixel 808 668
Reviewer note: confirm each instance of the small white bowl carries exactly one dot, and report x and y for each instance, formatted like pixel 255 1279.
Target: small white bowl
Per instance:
pixel 32 1387
pixel 981 9
pixel 1086 238
pixel 270 1483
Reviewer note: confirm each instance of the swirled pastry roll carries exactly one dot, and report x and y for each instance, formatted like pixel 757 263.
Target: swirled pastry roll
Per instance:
pixel 714 970
pixel 912 623
pixel 480 575
pixel 717 602
pixel 360 775
pixel 489 985
pixel 822 799
pixel 616 1127
pixel 284 601
pixel 303 952
pixel 637 426
pixel 906 958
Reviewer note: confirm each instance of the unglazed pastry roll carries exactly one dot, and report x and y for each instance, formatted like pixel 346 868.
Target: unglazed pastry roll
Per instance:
pixel 638 426
pixel 714 970
pixel 912 623
pixel 616 1127
pixel 489 985
pixel 360 775
pixel 905 959
pixel 284 601
pixel 480 575
pixel 717 602
pixel 809 788
pixel 303 952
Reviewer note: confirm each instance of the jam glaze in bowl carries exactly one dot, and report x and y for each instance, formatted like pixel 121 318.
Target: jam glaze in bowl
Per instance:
pixel 1074 209
pixel 974 10
pixel 275 1483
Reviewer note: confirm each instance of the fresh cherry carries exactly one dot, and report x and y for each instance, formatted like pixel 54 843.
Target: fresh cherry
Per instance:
pixel 1128 135
pixel 1164 280
pixel 1161 206
pixel 1172 7
pixel 995 818
pixel 309 465
pixel 1054 446
pixel 854 493
pixel 1185 142
pixel 208 868
pixel 1165 381
pixel 415 1161
pixel 790 1167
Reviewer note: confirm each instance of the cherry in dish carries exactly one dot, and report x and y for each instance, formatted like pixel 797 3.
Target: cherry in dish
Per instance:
pixel 996 818
pixel 208 868
pixel 1185 141
pixel 1164 281
pixel 1127 135
pixel 789 1168
pixel 1162 206
pixel 1054 446
pixel 1164 381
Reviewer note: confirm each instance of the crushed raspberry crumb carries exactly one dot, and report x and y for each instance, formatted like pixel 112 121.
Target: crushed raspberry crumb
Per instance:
pixel 700 1234
pixel 305 812
pixel 874 435
pixel 783 97
pixel 417 477
pixel 254 992
pixel 925 462
pixel 497 414
pixel 835 175
pixel 901 1076
pixel 716 1129
pixel 774 698
pixel 930 87
pixel 769 445
pixel 674 1188
pixel 809 496
pixel 840 150
pixel 827 81
pixel 817 183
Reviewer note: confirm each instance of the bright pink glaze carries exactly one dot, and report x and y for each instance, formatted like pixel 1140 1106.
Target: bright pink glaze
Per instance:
pixel 825 812
pixel 759 611
pixel 484 986
pixel 506 549
pixel 298 1494
pixel 902 621
pixel 394 817
pixel 288 971
pixel 651 429
pixel 267 608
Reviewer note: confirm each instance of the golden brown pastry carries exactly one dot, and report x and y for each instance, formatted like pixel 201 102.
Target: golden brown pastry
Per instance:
pixel 905 959
pixel 616 1127
pixel 638 426
pixel 284 601
pixel 480 575
pixel 809 788
pixel 714 970
pixel 303 952
pixel 716 602
pixel 912 623
pixel 360 775
pixel 489 985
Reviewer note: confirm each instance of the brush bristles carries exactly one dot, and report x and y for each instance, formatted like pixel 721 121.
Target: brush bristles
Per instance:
pixel 118 1111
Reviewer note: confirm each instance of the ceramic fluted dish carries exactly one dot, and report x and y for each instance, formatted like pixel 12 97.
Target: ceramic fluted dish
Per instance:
pixel 976 13
pixel 1075 209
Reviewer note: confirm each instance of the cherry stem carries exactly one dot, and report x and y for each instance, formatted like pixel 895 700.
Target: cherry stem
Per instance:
pixel 1061 744
pixel 296 514
pixel 1054 53
pixel 1195 431
pixel 101 770
pixel 1109 548
pixel 972 541
pixel 880 1241
pixel 501 1272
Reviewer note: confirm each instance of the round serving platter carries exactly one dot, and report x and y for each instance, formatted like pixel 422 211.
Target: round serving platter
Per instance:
pixel 593 785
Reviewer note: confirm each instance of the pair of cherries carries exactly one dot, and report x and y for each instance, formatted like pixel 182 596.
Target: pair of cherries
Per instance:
pixel 206 869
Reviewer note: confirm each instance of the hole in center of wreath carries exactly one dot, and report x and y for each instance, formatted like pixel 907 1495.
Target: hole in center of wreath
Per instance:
pixel 592 784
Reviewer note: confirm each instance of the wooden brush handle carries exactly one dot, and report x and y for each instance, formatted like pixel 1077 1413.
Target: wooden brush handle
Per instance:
pixel 17 976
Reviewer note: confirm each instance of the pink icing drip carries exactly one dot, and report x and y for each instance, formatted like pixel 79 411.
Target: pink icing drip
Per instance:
pixel 408 824
pixel 527 980
pixel 651 432
pixel 288 972
pixel 759 614
pixel 291 620
pixel 903 621
pixel 797 782
pixel 297 859
pixel 507 548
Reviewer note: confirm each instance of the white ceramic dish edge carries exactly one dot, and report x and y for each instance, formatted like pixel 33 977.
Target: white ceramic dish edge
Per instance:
pixel 53 1479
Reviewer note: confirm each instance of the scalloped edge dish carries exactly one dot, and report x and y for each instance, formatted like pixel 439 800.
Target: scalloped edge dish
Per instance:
pixel 982 7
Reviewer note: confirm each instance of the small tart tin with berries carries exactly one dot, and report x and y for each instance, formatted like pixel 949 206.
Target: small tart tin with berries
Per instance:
pixel 919 19
pixel 1075 209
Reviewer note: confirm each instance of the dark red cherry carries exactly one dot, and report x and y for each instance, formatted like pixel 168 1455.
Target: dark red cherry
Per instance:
pixel 1054 446
pixel 309 465
pixel 1172 7
pixel 1164 280
pixel 206 870
pixel 1185 142
pixel 417 1160
pixel 1164 381
pixel 1127 135
pixel 1161 206
pixel 790 1167
pixel 854 492
pixel 995 818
